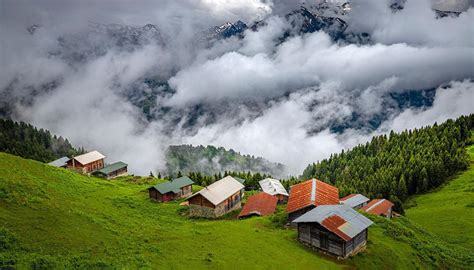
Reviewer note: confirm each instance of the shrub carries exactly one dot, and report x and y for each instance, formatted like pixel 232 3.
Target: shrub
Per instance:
pixel 7 239
pixel 43 262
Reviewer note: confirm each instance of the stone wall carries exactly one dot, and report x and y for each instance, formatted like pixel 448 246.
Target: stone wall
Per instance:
pixel 203 211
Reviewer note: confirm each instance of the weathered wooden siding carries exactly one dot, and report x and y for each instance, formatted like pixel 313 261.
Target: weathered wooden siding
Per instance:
pixel 200 206
pixel 320 238
pixel 185 191
pixel 86 168
pixel 282 199
pixel 117 173
pixel 294 215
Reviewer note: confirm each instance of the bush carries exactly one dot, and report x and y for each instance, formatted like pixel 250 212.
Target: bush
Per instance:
pixel 7 262
pixel 279 219
pixel 8 239
pixel 43 262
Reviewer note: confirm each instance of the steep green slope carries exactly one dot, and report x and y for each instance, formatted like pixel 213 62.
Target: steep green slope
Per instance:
pixel 77 220
pixel 54 218
pixel 448 211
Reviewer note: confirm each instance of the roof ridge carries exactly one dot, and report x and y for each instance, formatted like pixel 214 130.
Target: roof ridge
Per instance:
pixel 374 205
pixel 313 190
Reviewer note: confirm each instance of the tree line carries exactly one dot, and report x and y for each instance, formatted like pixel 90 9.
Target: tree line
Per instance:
pixel 201 179
pixel 400 164
pixel 24 140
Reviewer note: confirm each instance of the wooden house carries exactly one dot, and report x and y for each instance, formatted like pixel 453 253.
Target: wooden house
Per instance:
pixel 217 199
pixel 355 201
pixel 87 163
pixel 261 204
pixel 309 194
pixel 335 229
pixel 60 162
pixel 113 170
pixel 274 188
pixel 379 207
pixel 172 190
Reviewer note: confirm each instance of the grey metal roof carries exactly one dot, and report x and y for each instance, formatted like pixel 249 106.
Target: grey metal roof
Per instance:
pixel 353 201
pixel 354 222
pixel 59 162
pixel 272 187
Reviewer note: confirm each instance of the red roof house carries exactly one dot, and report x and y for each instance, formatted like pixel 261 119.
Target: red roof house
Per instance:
pixel 379 207
pixel 260 204
pixel 309 194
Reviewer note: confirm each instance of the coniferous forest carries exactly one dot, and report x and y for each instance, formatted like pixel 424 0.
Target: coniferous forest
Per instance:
pixel 25 140
pixel 398 165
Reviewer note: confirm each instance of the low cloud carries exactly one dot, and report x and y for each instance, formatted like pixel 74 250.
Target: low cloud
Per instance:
pixel 272 98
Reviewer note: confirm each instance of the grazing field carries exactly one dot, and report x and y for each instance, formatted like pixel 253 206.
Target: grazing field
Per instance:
pixel 53 218
pixel 448 211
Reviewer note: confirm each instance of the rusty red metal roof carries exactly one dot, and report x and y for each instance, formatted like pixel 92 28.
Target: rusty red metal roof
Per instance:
pixel 378 207
pixel 347 197
pixel 261 204
pixel 332 223
pixel 311 192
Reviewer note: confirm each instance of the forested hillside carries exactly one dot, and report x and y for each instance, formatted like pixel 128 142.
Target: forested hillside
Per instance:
pixel 401 164
pixel 25 140
pixel 210 160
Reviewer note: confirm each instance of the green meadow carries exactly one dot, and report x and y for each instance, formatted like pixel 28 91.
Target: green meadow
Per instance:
pixel 448 211
pixel 51 218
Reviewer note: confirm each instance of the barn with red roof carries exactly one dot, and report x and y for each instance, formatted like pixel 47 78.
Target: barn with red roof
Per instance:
pixel 335 229
pixel 261 204
pixel 309 194
pixel 379 207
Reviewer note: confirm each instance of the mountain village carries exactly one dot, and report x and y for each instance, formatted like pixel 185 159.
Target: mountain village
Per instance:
pixel 324 222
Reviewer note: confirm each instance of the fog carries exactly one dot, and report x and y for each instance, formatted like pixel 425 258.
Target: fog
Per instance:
pixel 281 95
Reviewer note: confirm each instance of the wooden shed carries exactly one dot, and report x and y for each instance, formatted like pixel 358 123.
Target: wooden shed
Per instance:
pixel 355 201
pixel 172 190
pixel 217 199
pixel 87 163
pixel 274 188
pixel 260 204
pixel 113 170
pixel 379 207
pixel 309 194
pixel 338 230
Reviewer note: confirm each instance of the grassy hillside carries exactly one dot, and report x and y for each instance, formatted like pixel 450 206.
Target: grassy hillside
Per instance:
pixel 448 211
pixel 53 218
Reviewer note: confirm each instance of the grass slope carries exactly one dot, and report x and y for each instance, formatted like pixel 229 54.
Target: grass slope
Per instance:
pixel 448 211
pixel 52 218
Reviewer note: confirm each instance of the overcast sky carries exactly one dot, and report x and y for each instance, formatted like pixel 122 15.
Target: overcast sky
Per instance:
pixel 299 85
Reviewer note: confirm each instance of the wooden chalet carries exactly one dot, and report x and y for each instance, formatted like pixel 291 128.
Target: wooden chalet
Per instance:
pixel 217 199
pixel 87 163
pixel 379 207
pixel 355 201
pixel 261 204
pixel 335 229
pixel 172 190
pixel 113 170
pixel 274 188
pixel 309 194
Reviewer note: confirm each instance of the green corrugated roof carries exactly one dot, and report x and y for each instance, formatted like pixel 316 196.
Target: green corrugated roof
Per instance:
pixel 174 185
pixel 112 167
pixel 240 180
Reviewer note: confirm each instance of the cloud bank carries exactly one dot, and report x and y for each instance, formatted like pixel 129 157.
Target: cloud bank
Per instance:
pixel 259 94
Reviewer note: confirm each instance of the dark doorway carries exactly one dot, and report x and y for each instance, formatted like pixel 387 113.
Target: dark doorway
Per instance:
pixel 323 238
